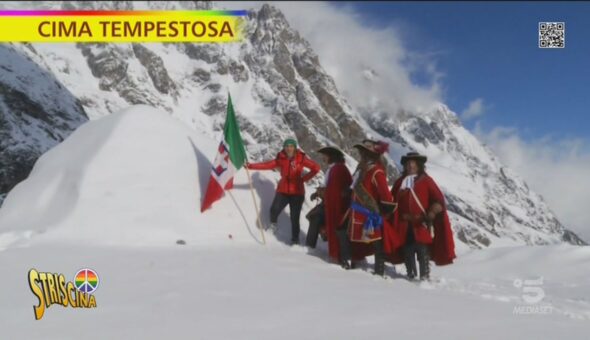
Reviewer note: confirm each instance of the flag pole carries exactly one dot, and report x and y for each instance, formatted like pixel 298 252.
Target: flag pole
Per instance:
pixel 236 135
pixel 259 222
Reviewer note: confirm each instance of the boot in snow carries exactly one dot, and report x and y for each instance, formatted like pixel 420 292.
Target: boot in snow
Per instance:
pixel 379 259
pixel 379 268
pixel 345 264
pixel 424 262
pixel 410 261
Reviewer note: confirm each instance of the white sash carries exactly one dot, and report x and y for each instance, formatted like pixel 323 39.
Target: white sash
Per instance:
pixel 430 228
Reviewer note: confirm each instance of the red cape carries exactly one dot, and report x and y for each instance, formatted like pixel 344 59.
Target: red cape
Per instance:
pixel 336 202
pixel 442 246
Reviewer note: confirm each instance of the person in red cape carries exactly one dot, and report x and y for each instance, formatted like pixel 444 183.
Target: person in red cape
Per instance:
pixel 372 206
pixel 335 194
pixel 421 220
pixel 291 162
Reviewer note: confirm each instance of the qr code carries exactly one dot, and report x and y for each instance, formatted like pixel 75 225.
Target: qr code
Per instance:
pixel 551 35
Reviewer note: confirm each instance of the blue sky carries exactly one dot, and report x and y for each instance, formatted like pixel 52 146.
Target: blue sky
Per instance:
pixel 489 50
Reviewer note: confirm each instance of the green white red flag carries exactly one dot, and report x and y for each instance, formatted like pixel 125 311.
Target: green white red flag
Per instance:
pixel 231 156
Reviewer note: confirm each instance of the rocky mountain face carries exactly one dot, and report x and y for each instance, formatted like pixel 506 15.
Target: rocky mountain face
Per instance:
pixel 279 89
pixel 487 200
pixel 36 113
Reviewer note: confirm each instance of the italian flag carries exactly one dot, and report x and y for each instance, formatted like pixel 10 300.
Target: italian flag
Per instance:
pixel 231 156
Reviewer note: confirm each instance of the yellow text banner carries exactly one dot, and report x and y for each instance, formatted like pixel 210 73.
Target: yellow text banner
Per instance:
pixel 121 26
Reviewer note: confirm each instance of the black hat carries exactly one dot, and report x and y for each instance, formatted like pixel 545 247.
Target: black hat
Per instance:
pixel 331 150
pixel 413 155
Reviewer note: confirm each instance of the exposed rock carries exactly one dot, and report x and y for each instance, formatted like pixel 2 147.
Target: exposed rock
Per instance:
pixel 155 67
pixel 36 113
pixel 209 53
pixel 201 75
pixel 213 87
pixel 238 71
pixel 215 105
pixel 283 63
pixel 425 132
pixel 107 64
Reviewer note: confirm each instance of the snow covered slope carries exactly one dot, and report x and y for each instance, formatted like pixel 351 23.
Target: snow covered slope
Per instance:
pixel 132 178
pixel 118 193
pixel 280 89
pixel 255 292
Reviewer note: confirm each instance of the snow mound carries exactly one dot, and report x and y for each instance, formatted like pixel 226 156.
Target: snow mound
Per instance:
pixel 132 178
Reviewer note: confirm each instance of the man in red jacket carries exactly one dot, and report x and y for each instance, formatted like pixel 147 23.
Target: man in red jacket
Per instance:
pixel 371 209
pixel 290 191
pixel 421 220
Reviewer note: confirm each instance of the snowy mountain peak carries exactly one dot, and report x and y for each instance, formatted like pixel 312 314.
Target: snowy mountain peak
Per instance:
pixel 280 89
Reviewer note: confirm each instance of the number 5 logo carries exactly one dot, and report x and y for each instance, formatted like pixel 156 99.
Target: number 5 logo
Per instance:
pixel 532 293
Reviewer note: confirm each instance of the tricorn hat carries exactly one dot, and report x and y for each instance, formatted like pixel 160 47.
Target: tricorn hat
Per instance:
pixel 331 150
pixel 413 155
pixel 374 147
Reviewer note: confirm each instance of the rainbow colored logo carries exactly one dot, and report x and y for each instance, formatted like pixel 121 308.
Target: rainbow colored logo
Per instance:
pixel 53 289
pixel 86 280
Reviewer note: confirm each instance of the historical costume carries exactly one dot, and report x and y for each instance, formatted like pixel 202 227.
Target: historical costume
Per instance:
pixel 370 213
pixel 421 220
pixel 336 196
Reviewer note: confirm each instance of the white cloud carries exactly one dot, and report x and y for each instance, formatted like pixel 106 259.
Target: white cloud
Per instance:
pixel 474 109
pixel 557 169
pixel 348 48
